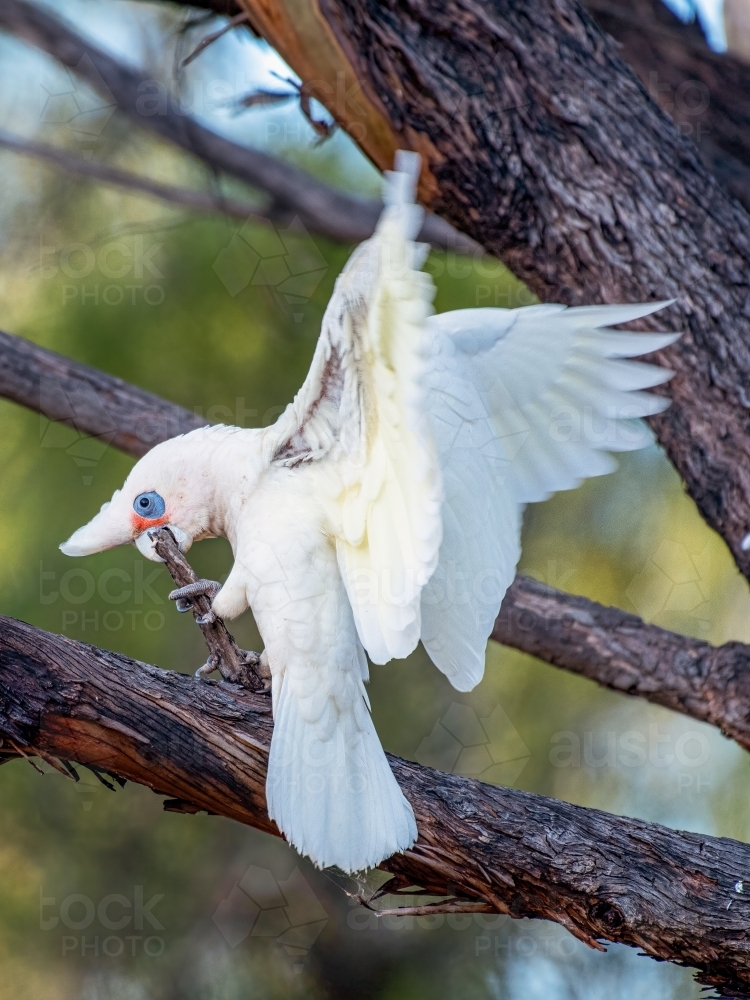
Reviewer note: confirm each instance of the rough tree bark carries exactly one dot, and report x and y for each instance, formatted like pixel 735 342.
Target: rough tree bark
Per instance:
pixel 707 93
pixel 677 896
pixel 541 144
pixel 621 652
pixel 606 645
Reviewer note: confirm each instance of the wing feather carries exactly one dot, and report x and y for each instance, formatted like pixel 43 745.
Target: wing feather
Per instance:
pixel 362 410
pixel 523 403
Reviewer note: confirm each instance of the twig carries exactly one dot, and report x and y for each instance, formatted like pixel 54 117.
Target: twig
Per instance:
pixel 235 665
pixel 194 200
pixel 234 22
pixel 294 192
pixel 448 906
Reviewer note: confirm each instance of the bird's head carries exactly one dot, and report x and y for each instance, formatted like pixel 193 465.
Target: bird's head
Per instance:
pixel 173 485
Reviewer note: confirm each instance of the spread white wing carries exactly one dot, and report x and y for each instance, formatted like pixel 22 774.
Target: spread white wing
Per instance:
pixel 362 411
pixel 523 403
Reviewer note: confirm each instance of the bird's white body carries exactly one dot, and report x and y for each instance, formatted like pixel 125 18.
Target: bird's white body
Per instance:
pixel 385 505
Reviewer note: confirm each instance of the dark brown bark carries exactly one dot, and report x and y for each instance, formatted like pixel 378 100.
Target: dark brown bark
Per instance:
pixel 705 92
pixel 621 652
pixel 677 896
pixel 93 402
pixel 294 193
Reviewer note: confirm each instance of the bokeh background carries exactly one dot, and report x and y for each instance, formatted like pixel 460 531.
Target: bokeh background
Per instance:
pixel 105 896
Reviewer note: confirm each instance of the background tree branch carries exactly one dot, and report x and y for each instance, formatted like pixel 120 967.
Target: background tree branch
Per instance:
pixel 606 645
pixel 677 896
pixel 150 105
pixel 195 200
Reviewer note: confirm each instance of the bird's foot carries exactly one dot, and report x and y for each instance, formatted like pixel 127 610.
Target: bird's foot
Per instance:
pixel 211 664
pixel 184 596
pixel 257 664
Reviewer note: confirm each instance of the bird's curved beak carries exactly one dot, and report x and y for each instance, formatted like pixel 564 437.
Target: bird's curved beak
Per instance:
pixel 108 529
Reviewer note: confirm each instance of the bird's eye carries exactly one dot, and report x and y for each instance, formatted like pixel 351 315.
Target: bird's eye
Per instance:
pixel 149 505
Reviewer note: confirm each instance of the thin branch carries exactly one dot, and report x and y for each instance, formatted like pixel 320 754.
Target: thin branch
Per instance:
pixel 606 645
pixel 195 200
pixel 148 103
pixel 677 896
pixel 623 653
pixel 234 22
pixel 234 664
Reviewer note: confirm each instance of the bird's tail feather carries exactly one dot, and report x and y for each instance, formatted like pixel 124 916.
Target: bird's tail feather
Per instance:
pixel 330 788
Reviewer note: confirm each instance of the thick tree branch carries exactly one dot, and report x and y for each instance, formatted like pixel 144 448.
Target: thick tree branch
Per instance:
pixel 677 896
pixel 96 404
pixel 622 652
pixel 148 103
pixel 705 92
pixel 609 646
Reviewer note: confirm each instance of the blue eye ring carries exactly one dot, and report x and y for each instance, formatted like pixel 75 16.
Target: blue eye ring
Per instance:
pixel 149 506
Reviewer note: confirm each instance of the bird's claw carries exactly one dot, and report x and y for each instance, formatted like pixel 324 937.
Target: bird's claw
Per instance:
pixel 183 598
pixel 258 664
pixel 208 667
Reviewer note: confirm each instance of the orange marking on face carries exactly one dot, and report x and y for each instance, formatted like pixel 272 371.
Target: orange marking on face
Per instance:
pixel 141 524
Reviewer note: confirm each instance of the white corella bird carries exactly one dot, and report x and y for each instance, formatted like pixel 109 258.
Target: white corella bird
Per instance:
pixel 385 505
